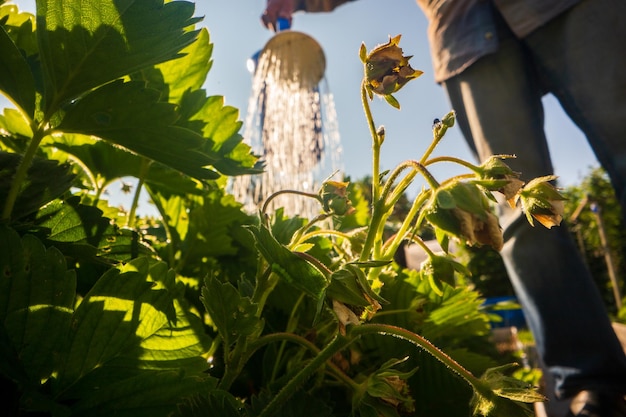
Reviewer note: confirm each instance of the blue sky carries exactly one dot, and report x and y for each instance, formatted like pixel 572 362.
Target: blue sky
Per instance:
pixel 235 30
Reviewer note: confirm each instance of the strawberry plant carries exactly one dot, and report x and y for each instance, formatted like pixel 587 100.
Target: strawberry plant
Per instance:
pixel 206 309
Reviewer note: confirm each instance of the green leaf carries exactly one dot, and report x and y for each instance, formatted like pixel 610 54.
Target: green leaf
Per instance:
pixel 344 287
pixel 232 314
pixel 211 225
pixel 180 81
pixel 21 28
pixel 36 294
pixel 87 43
pixel 130 320
pixel 45 181
pixel 179 344
pixel 187 73
pixel 390 385
pixel 445 199
pixel 221 128
pixel 16 79
pixel 504 396
pixel 220 403
pixel 81 231
pixel 107 163
pixel 118 312
pixel 456 315
pixel 15 124
pixel 363 53
pixel 437 269
pixel 147 394
pixel 293 269
pixel 392 101
pixel 509 387
pixel 130 115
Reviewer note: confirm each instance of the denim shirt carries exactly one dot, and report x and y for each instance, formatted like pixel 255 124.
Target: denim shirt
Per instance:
pixel 462 31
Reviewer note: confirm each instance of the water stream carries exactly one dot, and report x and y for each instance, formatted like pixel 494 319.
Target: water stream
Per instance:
pixel 292 124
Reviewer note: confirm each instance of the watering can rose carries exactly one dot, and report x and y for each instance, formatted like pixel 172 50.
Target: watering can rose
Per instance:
pixel 386 69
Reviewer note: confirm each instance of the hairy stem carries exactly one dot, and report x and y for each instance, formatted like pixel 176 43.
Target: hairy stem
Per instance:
pixel 173 240
pixel 277 193
pixel 419 341
pixel 459 161
pixel 375 142
pixel 336 345
pixel 354 333
pixel 407 223
pixel 145 165
pixel 299 340
pixel 21 173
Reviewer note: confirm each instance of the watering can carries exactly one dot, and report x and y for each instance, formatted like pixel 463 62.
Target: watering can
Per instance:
pixel 297 56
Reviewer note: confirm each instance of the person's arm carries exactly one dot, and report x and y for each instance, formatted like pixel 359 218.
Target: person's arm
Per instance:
pixel 285 8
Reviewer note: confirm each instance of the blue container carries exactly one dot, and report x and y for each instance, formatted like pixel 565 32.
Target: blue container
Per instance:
pixel 281 24
pixel 510 315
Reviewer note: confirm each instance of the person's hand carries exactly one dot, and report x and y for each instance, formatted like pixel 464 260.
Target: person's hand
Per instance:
pixel 276 9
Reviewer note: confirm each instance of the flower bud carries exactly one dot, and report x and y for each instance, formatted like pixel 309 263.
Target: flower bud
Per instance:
pixel 462 210
pixel 495 175
pixel 542 201
pixel 387 70
pixel 335 199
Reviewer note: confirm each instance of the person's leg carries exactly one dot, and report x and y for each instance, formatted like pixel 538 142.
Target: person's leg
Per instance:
pixel 498 102
pixel 582 58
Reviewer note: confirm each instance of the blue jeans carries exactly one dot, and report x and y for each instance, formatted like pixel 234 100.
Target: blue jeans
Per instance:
pixel 580 58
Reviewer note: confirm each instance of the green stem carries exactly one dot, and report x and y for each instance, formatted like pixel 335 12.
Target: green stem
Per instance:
pixel 419 341
pixel 459 161
pixel 437 136
pixel 277 193
pixel 375 142
pixel 99 190
pixel 21 173
pixel 266 282
pixel 337 344
pixel 90 175
pixel 402 185
pixel 316 262
pixel 297 236
pixel 291 325
pixel 355 332
pixel 233 362
pixel 406 181
pixel 145 165
pixel 314 233
pixel 290 337
pixel 173 241
pixel 392 247
pixel 372 232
